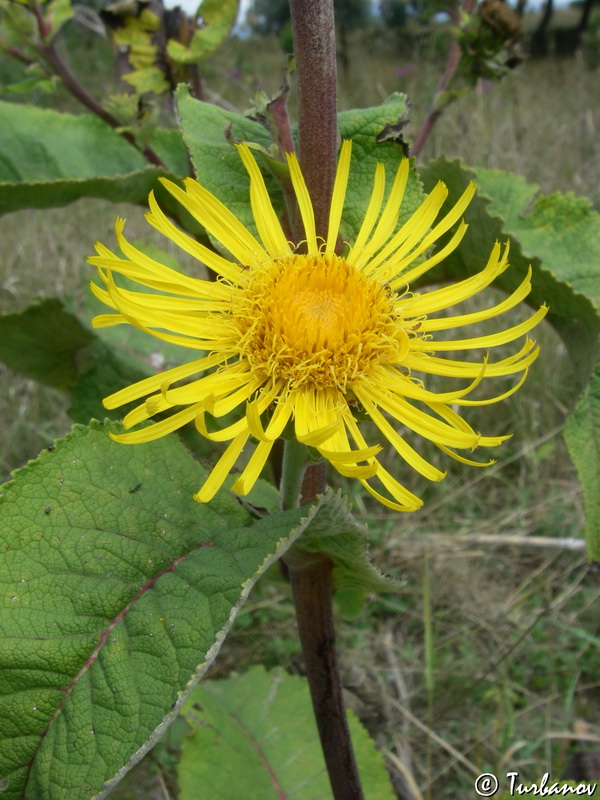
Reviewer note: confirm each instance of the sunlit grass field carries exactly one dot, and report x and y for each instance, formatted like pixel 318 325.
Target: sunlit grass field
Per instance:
pixel 487 658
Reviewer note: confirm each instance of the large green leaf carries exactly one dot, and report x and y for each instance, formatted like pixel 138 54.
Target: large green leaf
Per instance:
pixel 49 344
pixel 254 736
pixel 48 158
pixel 116 589
pixel 558 235
pixel 207 131
pixel 43 343
pixel 582 434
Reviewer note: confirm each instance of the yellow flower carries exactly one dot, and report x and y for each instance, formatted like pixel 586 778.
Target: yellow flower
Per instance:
pixel 313 339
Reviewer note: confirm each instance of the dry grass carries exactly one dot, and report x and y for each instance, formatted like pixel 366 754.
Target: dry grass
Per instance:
pixel 513 655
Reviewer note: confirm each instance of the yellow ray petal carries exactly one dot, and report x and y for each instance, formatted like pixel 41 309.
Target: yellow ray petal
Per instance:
pixel 304 203
pixel 439 299
pixel 219 221
pixel 408 453
pixel 519 361
pixel 222 435
pixel 153 383
pixel 456 421
pixel 440 229
pixel 158 429
pixel 389 215
pixel 339 195
pixel 387 378
pixel 253 468
pixel 371 214
pixel 387 271
pixel 513 299
pixel 158 220
pixel 221 407
pixel 256 408
pixel 422 423
pixel 355 470
pixel 222 468
pixel 489 340
pixel 108 320
pixel 407 501
pixel 413 230
pixel 467 461
pixel 214 385
pixel 267 224
pixel 497 398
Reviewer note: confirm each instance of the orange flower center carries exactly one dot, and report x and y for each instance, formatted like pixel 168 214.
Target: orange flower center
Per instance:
pixel 317 320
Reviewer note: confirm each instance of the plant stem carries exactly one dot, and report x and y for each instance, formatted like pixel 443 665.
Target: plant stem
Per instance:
pixel 312 585
pixel 311 573
pixel 314 49
pixel 436 111
pixel 311 576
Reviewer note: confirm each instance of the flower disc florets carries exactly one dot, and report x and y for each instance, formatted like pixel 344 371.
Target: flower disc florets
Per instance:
pixel 299 341
pixel 317 321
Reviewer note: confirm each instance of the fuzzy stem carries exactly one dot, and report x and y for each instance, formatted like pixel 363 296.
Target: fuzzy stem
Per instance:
pixel 314 49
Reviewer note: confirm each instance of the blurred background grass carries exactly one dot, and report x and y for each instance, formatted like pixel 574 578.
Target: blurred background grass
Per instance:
pixel 510 668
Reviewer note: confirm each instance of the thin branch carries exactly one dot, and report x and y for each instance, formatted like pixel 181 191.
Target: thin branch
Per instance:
pixel 437 109
pixel 49 53
pixel 12 51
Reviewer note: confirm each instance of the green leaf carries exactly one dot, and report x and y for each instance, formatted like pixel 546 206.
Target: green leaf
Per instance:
pixel 43 343
pixel 56 14
pixel 47 343
pixel 254 735
pixel 582 435
pixel 48 159
pixel 39 82
pixel 374 131
pixel 345 540
pixel 148 79
pixel 116 589
pixel 558 235
pixel 218 17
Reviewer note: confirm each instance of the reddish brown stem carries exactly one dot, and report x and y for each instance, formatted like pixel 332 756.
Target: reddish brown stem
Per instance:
pixel 312 585
pixel 314 49
pixel 12 51
pixel 311 576
pixel 435 112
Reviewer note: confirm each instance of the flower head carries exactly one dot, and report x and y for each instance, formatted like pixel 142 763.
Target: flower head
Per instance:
pixel 310 341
